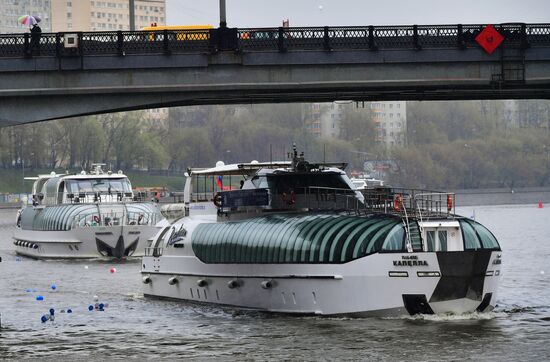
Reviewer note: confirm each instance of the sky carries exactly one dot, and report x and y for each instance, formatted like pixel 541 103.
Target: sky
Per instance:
pixel 263 13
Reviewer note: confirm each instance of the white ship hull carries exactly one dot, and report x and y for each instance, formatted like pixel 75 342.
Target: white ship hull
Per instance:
pixel 90 242
pixel 368 286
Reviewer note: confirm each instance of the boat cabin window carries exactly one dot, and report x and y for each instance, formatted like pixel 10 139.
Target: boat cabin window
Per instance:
pixel 477 236
pixel 205 187
pixel 395 239
pixel 97 185
pixel 446 238
pixel 283 182
pixel 471 242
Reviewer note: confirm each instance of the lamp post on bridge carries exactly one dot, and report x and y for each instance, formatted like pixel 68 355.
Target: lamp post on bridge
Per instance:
pixel 223 16
pixel 132 15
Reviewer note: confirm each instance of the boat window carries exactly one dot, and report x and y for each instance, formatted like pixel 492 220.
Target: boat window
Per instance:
pixel 260 182
pixel 395 239
pixel 430 235
pixel 442 234
pixel 471 242
pixel 487 238
pixel 104 186
pixel 282 182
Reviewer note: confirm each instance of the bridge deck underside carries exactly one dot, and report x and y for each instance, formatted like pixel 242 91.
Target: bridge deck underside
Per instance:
pixel 57 87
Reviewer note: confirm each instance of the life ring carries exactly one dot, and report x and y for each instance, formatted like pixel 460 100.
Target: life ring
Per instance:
pixel 97 219
pixel 217 200
pixel 290 198
pixel 140 218
pixel 397 202
pixel 449 202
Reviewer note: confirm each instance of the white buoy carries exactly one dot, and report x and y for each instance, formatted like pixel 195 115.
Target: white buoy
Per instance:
pixel 96 298
pixel 542 272
pixel 320 7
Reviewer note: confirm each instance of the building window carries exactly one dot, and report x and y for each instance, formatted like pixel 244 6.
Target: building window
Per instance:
pixel 398 105
pixel 391 105
pixel 391 115
pixel 69 4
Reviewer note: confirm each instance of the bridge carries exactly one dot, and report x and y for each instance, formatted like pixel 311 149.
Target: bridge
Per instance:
pixel 73 74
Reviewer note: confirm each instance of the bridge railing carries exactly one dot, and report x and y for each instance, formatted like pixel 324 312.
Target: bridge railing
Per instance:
pixel 268 39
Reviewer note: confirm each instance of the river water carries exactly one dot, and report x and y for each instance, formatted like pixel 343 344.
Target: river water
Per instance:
pixel 132 326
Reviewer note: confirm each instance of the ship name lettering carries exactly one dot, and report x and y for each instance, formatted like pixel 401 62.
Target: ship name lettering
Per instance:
pixel 410 263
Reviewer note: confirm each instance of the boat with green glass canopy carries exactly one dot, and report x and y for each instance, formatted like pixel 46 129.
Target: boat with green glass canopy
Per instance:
pixel 297 237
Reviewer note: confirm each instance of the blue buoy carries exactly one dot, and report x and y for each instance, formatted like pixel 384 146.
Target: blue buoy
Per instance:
pixel 54 287
pixel 44 319
pixel 90 307
pixel 101 305
pixel 28 290
pixel 39 297
pixel 69 310
pixel 52 311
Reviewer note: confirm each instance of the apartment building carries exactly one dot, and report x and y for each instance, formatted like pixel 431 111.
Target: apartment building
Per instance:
pixel 11 10
pixel 323 120
pixel 110 15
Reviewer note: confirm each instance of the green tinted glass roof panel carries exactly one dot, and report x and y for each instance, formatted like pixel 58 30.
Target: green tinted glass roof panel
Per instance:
pixel 291 238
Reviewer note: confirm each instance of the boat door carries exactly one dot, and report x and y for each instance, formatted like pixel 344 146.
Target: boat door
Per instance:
pixel 442 237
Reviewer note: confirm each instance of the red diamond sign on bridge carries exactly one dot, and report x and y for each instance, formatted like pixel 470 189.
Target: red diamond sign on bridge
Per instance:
pixel 489 39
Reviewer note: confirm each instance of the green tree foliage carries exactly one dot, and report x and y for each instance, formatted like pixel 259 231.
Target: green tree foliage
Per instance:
pixel 449 144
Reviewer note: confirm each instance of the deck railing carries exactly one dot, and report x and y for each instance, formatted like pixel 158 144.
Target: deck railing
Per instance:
pixel 423 204
pixel 267 39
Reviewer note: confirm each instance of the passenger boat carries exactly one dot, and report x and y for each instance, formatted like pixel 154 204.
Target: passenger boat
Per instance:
pixel 85 215
pixel 297 237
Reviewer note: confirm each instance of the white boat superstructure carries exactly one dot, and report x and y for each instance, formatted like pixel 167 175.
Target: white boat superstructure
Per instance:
pixel 85 215
pixel 299 238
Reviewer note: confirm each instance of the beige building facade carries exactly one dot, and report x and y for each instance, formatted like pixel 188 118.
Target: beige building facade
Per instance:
pixel 108 15
pixel 390 118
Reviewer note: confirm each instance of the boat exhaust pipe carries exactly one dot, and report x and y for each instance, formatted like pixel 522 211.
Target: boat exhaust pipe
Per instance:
pixel 173 281
pixel 267 284
pixel 202 283
pixel 147 279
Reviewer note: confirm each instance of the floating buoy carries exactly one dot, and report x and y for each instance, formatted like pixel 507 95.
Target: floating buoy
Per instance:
pixel 53 286
pixel 28 290
pixel 101 306
pixel 52 311
pixel 39 297
pixel 540 204
pixel 85 267
pixel 96 298
pixel 69 310
pixel 90 307
pixel 112 270
pixel 17 258
pixel 542 272
pixel 44 318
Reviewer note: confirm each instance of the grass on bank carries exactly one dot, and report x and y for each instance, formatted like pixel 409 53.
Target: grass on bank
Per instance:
pixel 11 181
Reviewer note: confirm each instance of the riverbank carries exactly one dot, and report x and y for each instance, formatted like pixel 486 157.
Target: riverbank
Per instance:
pixel 503 196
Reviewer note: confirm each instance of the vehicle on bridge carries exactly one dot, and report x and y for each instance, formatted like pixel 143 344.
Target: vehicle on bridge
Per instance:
pixel 299 238
pixel 180 32
pixel 86 215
